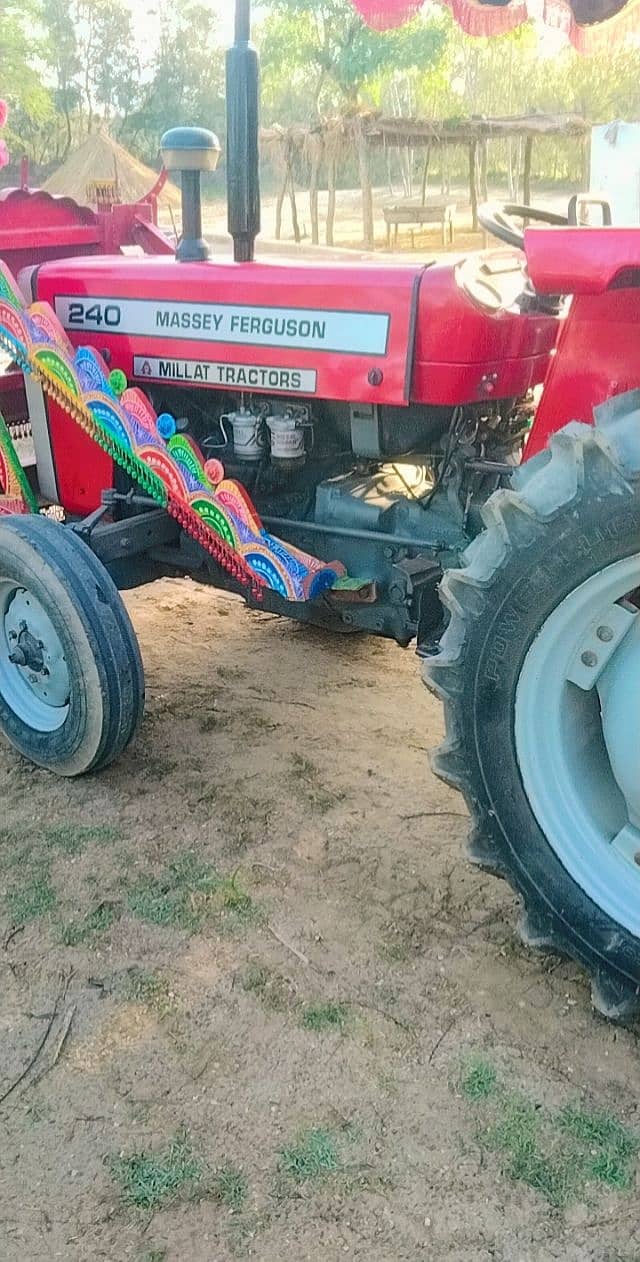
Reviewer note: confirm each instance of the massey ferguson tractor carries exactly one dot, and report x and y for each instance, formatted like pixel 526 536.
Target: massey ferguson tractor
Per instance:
pixel 446 455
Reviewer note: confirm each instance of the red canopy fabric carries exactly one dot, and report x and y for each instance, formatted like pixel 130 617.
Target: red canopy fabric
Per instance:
pixel 580 20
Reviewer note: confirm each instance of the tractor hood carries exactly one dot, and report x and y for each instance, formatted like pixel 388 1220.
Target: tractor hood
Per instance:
pixel 339 332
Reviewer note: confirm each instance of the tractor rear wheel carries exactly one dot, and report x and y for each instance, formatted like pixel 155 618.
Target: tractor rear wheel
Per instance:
pixel 539 670
pixel 71 678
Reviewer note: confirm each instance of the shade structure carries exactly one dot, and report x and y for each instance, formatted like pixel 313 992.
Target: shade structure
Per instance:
pixel 591 25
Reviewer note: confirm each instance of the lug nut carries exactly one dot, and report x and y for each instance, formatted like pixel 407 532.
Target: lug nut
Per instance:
pixel 589 658
pixel 605 634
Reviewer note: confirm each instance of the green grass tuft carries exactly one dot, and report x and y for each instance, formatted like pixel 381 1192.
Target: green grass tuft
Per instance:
pixel 315 1154
pixel 148 1181
pixel 324 1016
pixel 189 893
pixel 74 838
pixel 95 923
pixel 480 1080
pixel 149 988
pixel 271 988
pixel 230 1187
pixel 611 1146
pixel 516 1135
pixel 31 901
pixel 558 1154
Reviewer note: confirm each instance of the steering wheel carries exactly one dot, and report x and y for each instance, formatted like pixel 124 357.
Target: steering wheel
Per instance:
pixel 498 220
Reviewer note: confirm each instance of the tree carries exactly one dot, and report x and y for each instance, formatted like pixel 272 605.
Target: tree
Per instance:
pixel 20 83
pixel 187 76
pixel 331 56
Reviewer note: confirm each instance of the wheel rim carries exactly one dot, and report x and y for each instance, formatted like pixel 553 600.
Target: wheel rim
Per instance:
pixel 34 677
pixel 575 716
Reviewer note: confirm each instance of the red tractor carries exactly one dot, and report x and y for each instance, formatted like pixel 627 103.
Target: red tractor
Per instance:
pixel 406 451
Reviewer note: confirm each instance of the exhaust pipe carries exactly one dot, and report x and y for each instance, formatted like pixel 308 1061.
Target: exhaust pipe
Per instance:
pixel 243 158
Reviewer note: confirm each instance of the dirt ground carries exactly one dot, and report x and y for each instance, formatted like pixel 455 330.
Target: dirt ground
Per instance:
pixel 425 243
pixel 243 972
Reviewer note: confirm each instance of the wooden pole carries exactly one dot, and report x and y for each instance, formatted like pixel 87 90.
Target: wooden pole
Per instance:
pixel 473 186
pixel 586 163
pixel 280 202
pixel 484 186
pixel 294 208
pixel 425 174
pixel 314 179
pixel 331 207
pixel 367 189
pixel 526 182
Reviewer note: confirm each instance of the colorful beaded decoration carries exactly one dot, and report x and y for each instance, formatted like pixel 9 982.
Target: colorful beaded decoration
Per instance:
pixel 16 495
pixel 168 466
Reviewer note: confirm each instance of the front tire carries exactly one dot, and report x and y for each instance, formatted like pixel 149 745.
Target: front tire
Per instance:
pixel 71 677
pixel 539 671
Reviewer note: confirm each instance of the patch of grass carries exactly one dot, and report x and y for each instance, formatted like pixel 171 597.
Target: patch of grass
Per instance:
pixel 155 1255
pixel 324 1016
pixel 150 988
pixel 149 1181
pixel 271 988
pixel 212 721
pixel 230 1187
pixel 306 773
pixel 559 1154
pixel 32 900
pixel 611 1145
pixel 479 1081
pixel 74 838
pixel 517 1136
pixel 314 1154
pixel 95 923
pixel 232 672
pixel 188 893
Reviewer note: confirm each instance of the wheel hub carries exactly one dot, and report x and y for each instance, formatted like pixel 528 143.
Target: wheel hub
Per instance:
pixel 34 678
pixel 576 710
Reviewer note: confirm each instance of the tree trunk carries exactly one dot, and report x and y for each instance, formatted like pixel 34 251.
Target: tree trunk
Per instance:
pixel 484 186
pixel 313 200
pixel 425 174
pixel 331 207
pixel 294 208
pixel 526 179
pixel 280 203
pixel 473 188
pixel 367 191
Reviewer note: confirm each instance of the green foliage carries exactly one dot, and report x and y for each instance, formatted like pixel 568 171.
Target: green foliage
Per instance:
pixel 148 1181
pixel 479 1081
pixel 324 1016
pixel 148 987
pixel 314 1154
pixel 95 923
pixel 68 66
pixel 72 839
pixel 186 84
pixel 21 85
pixel 329 42
pixel 561 1155
pixel 32 900
pixel 230 1187
pixel 188 893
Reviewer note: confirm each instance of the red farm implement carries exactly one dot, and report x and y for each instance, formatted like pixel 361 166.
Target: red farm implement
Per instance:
pixel 407 451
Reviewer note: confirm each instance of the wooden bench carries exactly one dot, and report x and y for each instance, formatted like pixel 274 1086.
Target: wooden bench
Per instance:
pixel 415 215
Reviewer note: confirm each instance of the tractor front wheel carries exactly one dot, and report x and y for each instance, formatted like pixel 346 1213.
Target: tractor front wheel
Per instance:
pixel 71 678
pixel 539 670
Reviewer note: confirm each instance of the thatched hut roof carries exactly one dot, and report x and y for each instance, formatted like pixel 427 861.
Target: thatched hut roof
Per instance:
pixel 101 159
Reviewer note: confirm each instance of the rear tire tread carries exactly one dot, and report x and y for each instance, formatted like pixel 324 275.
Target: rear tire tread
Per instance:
pixel 605 461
